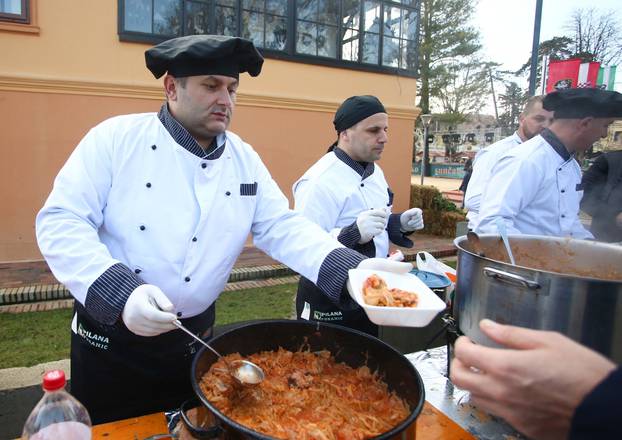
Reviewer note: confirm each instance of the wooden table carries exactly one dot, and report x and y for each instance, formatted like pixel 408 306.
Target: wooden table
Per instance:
pixel 431 424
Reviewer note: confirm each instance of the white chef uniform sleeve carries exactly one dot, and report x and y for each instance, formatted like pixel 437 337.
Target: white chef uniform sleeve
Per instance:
pixel 67 226
pixel 298 242
pixel 317 203
pixel 513 184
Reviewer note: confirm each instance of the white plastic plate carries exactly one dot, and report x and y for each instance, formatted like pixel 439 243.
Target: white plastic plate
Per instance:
pixel 428 307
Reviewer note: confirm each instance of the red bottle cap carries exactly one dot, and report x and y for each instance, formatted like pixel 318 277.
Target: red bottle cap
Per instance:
pixel 53 380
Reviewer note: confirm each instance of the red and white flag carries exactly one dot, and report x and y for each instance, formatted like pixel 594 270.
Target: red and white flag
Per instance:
pixel 588 74
pixel 571 74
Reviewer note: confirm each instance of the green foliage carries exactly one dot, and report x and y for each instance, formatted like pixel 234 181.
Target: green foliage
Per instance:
pixel 462 85
pixel 441 223
pixel 36 337
pixel 512 102
pixel 440 203
pixel 557 48
pixel 591 35
pixel 422 196
pixel 445 35
pixel 440 216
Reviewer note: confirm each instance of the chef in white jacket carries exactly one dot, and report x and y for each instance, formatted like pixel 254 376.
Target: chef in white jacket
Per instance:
pixel 531 122
pixel 146 219
pixel 346 194
pixel 536 189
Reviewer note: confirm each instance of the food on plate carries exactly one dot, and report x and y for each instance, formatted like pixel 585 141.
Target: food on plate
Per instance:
pixel 306 395
pixel 377 293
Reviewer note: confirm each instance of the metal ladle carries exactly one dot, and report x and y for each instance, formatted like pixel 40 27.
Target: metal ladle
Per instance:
pixel 476 245
pixel 244 372
pixel 504 236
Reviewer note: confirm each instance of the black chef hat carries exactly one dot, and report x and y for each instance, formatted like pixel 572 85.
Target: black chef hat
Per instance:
pixel 583 103
pixel 204 55
pixel 355 109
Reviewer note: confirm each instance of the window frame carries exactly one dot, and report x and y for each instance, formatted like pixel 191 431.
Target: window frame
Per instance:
pixel 23 18
pixel 289 52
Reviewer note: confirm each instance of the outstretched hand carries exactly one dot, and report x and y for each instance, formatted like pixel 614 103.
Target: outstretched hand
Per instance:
pixel 535 384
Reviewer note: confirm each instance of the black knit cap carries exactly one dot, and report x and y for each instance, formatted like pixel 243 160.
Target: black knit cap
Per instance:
pixel 355 109
pixel 583 103
pixel 204 55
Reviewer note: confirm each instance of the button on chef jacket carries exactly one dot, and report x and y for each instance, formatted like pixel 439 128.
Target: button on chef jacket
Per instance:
pixel 336 189
pixel 132 206
pixel 482 167
pixel 535 189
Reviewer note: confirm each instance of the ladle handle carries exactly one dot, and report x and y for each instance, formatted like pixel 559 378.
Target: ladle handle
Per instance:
pixel 180 326
pixel 504 236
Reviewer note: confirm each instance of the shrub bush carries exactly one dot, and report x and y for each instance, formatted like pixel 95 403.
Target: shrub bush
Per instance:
pixel 440 216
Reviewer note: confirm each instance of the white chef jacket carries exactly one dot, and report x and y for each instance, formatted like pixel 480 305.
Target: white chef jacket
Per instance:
pixel 482 167
pixel 332 194
pixel 130 194
pixel 535 190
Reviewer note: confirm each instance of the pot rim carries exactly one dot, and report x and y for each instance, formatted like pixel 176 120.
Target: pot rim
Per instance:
pixel 221 418
pixel 525 237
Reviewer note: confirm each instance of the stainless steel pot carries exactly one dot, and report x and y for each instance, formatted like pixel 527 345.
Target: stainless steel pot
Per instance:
pixel 567 285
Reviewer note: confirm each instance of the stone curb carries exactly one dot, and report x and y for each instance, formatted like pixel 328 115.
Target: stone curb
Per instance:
pixel 239 276
pixel 47 292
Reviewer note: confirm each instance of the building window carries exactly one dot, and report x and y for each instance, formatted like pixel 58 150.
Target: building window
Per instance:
pixel 377 35
pixel 14 11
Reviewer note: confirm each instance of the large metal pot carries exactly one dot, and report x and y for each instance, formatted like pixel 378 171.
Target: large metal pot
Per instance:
pixel 347 345
pixel 567 285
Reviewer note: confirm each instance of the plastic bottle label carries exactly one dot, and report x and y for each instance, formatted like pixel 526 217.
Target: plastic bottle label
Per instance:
pixel 65 431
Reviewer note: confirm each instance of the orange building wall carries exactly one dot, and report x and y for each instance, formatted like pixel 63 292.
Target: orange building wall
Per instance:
pixel 73 73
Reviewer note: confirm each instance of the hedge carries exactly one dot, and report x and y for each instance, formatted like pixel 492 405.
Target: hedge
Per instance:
pixel 440 216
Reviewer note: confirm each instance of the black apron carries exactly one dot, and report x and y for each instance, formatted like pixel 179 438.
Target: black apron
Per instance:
pixel 117 374
pixel 320 308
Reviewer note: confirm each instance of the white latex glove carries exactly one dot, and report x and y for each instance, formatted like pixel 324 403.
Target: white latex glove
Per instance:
pixel 141 315
pixel 371 222
pixel 386 265
pixel 411 220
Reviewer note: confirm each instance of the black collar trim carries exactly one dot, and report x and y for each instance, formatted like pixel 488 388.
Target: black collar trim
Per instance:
pixel 363 171
pixel 185 139
pixel 557 145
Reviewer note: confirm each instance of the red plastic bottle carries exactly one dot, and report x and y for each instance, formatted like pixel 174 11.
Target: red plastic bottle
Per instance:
pixel 58 415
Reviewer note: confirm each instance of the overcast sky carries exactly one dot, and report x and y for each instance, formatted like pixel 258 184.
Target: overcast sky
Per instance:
pixel 506 27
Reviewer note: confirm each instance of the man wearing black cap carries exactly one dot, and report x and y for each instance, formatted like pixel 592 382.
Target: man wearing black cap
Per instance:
pixel 147 218
pixel 346 194
pixel 536 189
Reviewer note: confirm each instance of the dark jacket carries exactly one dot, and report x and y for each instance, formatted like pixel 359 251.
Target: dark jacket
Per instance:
pixel 602 198
pixel 598 415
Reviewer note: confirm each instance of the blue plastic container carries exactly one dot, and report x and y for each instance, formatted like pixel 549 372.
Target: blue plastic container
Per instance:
pixel 437 283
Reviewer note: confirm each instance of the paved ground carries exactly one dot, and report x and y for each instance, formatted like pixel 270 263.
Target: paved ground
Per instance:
pixel 441 183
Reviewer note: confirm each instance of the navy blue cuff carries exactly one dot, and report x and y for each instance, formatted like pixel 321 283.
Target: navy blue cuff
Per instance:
pixel 333 275
pixel 349 236
pixel 395 234
pixel 107 296
pixel 598 415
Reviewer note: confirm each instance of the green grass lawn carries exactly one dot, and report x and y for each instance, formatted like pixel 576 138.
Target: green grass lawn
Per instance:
pixel 28 339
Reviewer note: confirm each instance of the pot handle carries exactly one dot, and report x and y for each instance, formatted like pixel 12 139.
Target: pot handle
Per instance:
pixel 510 278
pixel 197 432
